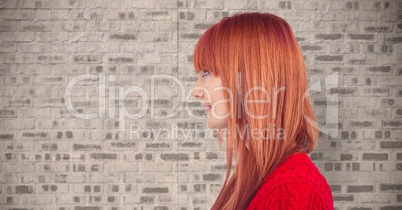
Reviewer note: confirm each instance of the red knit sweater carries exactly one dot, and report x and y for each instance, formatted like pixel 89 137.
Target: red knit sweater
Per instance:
pixel 296 184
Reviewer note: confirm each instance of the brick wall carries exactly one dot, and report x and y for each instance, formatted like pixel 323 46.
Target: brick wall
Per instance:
pixel 87 54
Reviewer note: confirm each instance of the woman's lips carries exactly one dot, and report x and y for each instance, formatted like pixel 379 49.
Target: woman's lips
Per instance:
pixel 208 106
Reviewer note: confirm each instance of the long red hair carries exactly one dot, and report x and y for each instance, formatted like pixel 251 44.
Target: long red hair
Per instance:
pixel 258 50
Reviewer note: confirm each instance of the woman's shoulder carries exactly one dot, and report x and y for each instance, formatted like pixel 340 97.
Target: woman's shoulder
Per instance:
pixel 296 178
pixel 292 195
pixel 297 169
pixel 297 165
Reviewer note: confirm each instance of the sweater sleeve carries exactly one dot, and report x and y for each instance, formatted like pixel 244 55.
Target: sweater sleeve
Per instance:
pixel 292 196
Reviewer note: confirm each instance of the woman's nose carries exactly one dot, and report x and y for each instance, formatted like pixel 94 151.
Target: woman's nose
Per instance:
pixel 197 93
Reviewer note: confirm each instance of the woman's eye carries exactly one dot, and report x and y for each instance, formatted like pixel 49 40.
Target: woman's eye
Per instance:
pixel 205 73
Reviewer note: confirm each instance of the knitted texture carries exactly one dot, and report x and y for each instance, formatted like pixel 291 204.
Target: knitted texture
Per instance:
pixel 295 184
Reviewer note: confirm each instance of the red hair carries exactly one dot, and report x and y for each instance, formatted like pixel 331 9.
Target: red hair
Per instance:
pixel 258 50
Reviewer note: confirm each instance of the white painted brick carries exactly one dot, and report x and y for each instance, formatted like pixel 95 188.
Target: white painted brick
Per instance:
pixel 18 167
pixel 45 44
pixel 374 198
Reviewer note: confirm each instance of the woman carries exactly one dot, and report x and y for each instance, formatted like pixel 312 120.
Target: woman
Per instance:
pixel 252 79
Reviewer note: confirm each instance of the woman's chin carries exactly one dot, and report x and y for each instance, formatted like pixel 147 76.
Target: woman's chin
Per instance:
pixel 216 124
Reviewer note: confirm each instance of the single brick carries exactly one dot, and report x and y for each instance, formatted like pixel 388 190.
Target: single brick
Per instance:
pixel 111 199
pixel 148 156
pixel 23 189
pixel 97 188
pixel 399 166
pixel 157 13
pixel 328 166
pixel 59 135
pixel 87 58
pixel 310 48
pixel 378 134
pixel 41 135
pixel 343 90
pixel 190 36
pixel 157 145
pixel 155 190
pixel 121 60
pixel 329 58
pixel 147 200
pixel 391 123
pixel 49 146
pixel 202 26
pixel 361 188
pixel 124 36
pixel 361 36
pixel 175 157
pixel 346 157
pixel 376 91
pixel 62 156
pixel 285 5
pixel 69 134
pixel 191 144
pixel 211 155
pixel 104 156
pixel 53 188
pixel 45 188
pixel 395 39
pixel 398 112
pixel 87 147
pixel 357 61
pixel 138 156
pixel 343 198
pixel 199 187
pixel 329 36
pixel 10 200
pixel 391 207
pixel 6 136
pixel 383 69
pixel 7 113
pixel 78 168
pixel 211 177
pixel 375 156
pixel 147 69
pixel 162 208
pixel 87 208
pixel 96 199
pixel 183 188
pixel 316 156
pixel 363 124
pixel 355 166
pixel 325 102
pixel 115 188
pixel 335 188
pixel 197 155
pixel 352 5
pixel 391 144
pixel 123 144
pixel 391 187
pixel 337 166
